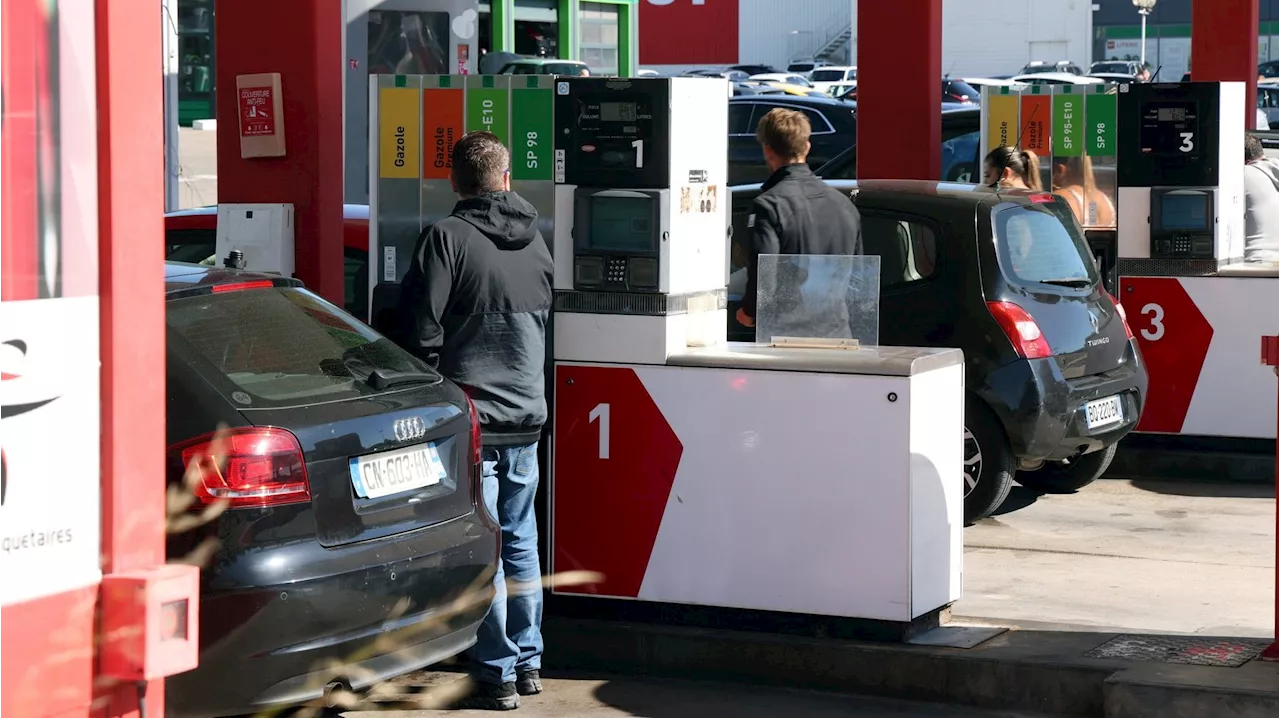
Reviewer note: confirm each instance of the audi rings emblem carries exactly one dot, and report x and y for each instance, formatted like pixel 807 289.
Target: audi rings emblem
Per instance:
pixel 409 429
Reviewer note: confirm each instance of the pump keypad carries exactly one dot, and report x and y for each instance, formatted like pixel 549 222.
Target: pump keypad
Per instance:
pixel 616 271
pixel 1183 246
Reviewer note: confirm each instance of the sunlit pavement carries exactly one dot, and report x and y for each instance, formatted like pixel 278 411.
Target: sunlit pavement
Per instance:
pixel 1133 556
pixel 669 699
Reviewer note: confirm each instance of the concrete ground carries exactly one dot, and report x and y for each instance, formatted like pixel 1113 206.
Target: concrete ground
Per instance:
pixel 1128 556
pixel 594 697
pixel 197 168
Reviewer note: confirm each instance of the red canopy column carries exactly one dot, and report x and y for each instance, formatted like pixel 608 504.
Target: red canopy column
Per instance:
pixel 303 42
pixel 899 93
pixel 1224 46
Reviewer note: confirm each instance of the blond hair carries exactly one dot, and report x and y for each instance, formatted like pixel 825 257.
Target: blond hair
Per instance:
pixel 786 132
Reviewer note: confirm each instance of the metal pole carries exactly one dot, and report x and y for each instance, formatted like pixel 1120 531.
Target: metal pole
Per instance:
pixel 169 45
pixel 1142 49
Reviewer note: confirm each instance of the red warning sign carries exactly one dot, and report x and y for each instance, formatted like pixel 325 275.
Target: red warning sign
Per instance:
pixel 257 111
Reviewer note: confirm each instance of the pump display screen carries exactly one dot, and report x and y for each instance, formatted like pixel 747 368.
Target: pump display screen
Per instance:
pixel 622 224
pixel 1185 212
pixel 619 111
pixel 1170 128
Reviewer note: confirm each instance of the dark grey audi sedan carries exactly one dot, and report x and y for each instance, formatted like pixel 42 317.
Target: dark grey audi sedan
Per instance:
pixel 347 476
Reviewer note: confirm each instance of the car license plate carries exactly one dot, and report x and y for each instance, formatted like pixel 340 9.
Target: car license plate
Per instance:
pixel 1102 412
pixel 392 472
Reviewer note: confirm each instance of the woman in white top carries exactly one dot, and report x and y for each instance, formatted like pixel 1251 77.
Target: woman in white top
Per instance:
pixel 1073 181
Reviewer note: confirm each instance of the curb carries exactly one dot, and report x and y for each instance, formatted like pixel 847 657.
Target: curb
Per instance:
pixel 1036 671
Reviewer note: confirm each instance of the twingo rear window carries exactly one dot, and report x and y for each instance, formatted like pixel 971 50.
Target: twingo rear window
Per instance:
pixel 1041 244
pixel 281 347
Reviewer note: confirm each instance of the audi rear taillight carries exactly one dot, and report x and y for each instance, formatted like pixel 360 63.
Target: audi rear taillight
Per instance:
pixel 1124 317
pixel 252 467
pixel 1022 330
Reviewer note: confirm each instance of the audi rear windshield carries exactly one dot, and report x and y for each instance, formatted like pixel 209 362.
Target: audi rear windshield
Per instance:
pixel 272 348
pixel 1040 245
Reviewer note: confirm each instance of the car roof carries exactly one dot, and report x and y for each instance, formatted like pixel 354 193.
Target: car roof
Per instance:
pixel 180 276
pixel 815 100
pixel 543 61
pixel 974 193
pixel 1067 77
pixel 844 68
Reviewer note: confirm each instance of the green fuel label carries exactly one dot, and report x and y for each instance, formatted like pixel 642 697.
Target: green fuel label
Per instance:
pixel 1100 114
pixel 532 141
pixel 488 111
pixel 1068 122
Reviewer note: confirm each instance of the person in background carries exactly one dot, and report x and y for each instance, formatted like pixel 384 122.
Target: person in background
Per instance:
pixel 1010 168
pixel 1073 181
pixel 1261 204
pixel 795 213
pixel 475 302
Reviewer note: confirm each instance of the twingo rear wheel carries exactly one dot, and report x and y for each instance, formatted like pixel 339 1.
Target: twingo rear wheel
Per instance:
pixel 988 462
pixel 1070 475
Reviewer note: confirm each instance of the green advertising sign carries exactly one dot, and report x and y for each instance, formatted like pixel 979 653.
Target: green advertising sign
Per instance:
pixel 1068 121
pixel 1100 116
pixel 488 110
pixel 531 132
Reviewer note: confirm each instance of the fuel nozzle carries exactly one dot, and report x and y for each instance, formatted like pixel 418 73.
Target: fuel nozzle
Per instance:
pixel 234 260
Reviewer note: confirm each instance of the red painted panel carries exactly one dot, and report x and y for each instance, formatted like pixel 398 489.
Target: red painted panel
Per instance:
pixel 615 462
pixel 47 667
pixel 25 74
pixel 1224 46
pixel 1174 339
pixel 899 126
pixel 303 42
pixel 688 32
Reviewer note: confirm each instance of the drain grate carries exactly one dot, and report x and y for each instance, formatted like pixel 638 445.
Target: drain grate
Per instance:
pixel 1190 650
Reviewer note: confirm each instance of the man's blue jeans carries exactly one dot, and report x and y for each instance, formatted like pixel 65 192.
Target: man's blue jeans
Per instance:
pixel 510 638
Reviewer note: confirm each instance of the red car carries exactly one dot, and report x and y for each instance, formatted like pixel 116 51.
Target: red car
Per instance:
pixel 191 234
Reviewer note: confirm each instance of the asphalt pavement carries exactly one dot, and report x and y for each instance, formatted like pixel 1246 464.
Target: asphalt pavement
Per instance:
pixel 590 697
pixel 1143 556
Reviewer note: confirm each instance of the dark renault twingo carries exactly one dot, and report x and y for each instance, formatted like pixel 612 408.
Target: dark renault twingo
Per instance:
pixel 347 475
pixel 1053 376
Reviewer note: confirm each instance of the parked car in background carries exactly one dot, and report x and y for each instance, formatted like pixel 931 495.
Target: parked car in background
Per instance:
pixel 981 82
pixel 545 66
pixel 1053 377
pixel 843 91
pixel 1036 67
pixel 1270 68
pixel 190 235
pixel 953 92
pixel 347 472
pixel 732 75
pixel 1056 78
pixel 1116 77
pixel 803 67
pixel 1116 67
pixel 960 143
pixel 1269 102
pixel 754 69
pixel 782 77
pixel 756 88
pixel 831 122
pixel 960 91
pixel 826 77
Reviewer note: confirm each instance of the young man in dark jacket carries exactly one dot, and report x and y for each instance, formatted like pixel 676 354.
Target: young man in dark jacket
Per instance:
pixel 795 213
pixel 477 298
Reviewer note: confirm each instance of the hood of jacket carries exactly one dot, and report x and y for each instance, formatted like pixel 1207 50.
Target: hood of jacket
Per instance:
pixel 1270 168
pixel 504 217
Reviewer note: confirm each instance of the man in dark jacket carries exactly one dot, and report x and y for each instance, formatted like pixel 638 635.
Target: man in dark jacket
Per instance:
pixel 477 299
pixel 796 213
